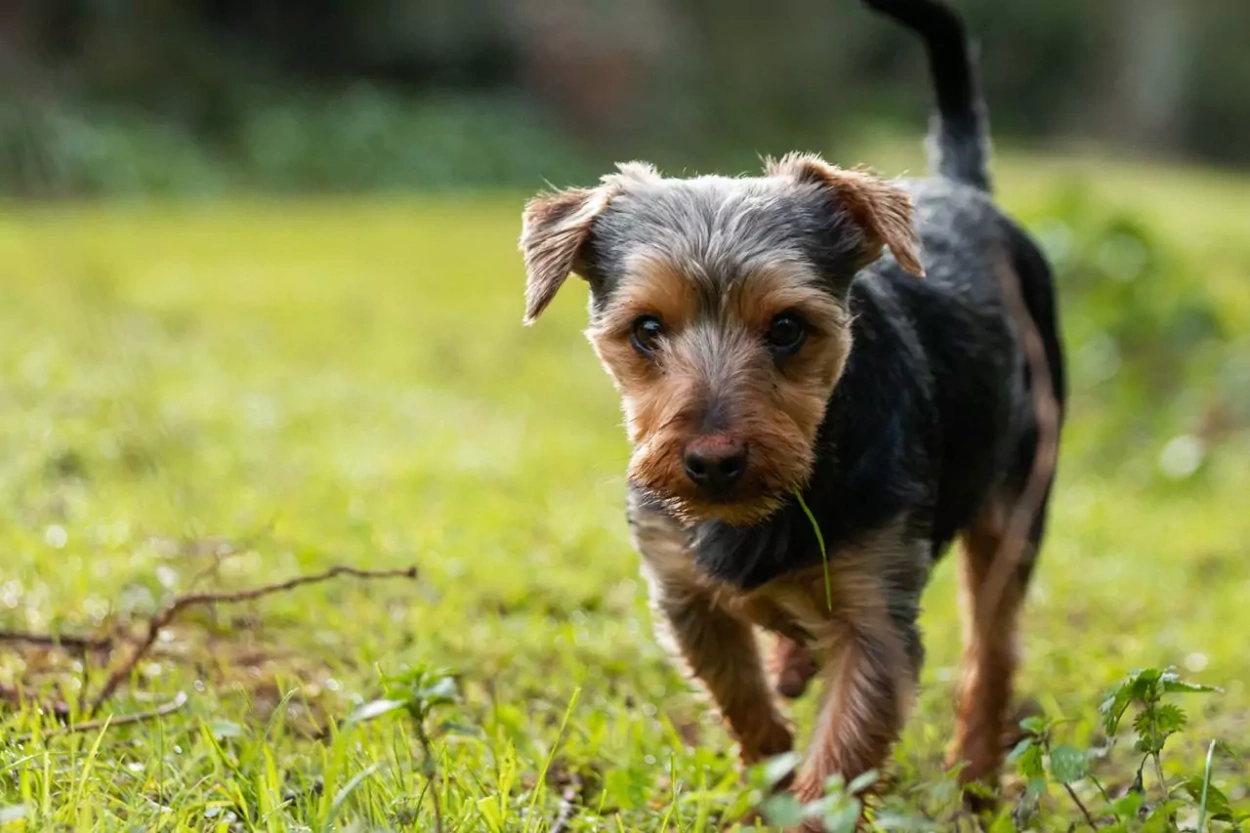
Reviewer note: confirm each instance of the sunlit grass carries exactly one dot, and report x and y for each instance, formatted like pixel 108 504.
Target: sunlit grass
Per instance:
pixel 296 384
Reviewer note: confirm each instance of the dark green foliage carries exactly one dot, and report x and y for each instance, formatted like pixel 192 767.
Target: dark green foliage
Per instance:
pixel 839 808
pixel 191 97
pixel 1147 689
pixel 1068 764
pixel 357 139
pixel 1041 762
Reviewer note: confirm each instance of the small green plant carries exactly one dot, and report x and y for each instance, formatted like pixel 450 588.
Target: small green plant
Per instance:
pixel 1043 762
pixel 420 692
pixel 839 809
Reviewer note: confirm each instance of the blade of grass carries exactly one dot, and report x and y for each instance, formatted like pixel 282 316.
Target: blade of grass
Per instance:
pixel 342 795
pixel 672 804
pixel 89 762
pixel 542 776
pixel 277 715
pixel 1206 785
pixel 820 540
pixel 45 797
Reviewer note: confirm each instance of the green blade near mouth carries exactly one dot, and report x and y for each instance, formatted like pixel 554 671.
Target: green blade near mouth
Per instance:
pixel 820 539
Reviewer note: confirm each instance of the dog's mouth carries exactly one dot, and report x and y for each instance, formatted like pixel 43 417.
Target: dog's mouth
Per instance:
pixel 741 508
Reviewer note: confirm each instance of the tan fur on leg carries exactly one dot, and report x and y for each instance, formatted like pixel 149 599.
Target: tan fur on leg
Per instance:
pixel 717 647
pixel 720 650
pixel 869 677
pixel 868 690
pixel 989 659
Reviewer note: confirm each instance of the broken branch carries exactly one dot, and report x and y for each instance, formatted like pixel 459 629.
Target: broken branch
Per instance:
pixel 54 640
pixel 180 700
pixel 171 611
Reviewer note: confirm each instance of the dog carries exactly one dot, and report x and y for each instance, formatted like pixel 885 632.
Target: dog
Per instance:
pixel 824 385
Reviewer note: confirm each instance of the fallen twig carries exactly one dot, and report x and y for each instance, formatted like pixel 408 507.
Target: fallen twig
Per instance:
pixel 54 640
pixel 180 700
pixel 18 696
pixel 171 611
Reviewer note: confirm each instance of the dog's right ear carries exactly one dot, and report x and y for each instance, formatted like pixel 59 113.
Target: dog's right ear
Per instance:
pixel 554 230
pixel 880 209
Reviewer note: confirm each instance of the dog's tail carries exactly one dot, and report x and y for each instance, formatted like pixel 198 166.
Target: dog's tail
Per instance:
pixel 959 138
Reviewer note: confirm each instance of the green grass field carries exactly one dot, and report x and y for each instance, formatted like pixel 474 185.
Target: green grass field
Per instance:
pixel 220 395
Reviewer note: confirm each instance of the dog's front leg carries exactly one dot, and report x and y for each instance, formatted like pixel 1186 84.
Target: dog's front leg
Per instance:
pixel 721 652
pixel 868 689
pixel 869 648
pixel 718 648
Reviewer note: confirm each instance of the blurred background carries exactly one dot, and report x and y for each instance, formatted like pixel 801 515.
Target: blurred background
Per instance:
pixel 200 96
pixel 260 301
pixel 1120 124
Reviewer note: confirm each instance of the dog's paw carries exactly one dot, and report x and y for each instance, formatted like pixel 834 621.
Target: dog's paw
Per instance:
pixel 1013 733
pixel 791 667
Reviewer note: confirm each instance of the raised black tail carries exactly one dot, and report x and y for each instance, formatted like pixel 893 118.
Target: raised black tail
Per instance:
pixel 959 138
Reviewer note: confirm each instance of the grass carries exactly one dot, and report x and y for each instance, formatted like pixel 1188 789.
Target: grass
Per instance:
pixel 228 393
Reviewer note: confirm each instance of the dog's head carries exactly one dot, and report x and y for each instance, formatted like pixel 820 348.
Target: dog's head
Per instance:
pixel 718 306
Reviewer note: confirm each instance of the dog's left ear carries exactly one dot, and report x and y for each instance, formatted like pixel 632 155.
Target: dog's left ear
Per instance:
pixel 881 211
pixel 554 229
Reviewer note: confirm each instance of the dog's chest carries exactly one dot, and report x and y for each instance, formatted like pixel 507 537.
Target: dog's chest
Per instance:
pixel 808 604
pixel 794 605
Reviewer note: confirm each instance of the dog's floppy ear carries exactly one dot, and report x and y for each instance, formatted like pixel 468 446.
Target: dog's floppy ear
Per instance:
pixel 554 229
pixel 880 210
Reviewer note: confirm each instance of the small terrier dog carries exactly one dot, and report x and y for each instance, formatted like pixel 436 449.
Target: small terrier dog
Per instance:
pixel 813 423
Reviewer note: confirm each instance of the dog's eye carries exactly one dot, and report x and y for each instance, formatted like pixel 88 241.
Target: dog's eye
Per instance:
pixel 645 335
pixel 786 334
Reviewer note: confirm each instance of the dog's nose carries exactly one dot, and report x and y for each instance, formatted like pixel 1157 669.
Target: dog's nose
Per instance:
pixel 715 464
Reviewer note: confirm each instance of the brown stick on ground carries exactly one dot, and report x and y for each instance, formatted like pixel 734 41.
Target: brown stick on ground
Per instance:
pixel 180 700
pixel 167 614
pixel 52 640
pixel 18 696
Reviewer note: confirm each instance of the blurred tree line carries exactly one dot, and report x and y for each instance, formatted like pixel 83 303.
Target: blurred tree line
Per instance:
pixel 115 95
